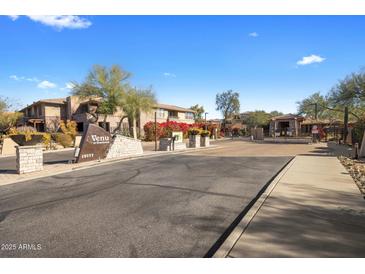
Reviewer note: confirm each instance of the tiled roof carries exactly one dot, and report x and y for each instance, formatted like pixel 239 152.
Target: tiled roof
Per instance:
pixel 287 117
pixel 53 101
pixel 59 101
pixel 172 107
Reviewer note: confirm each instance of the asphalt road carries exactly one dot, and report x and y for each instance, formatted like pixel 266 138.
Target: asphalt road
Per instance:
pixel 167 206
pixel 9 163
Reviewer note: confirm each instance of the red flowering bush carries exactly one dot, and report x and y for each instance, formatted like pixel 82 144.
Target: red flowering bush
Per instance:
pixel 150 131
pixel 166 128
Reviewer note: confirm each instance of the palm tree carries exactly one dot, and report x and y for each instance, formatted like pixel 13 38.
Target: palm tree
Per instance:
pixel 107 84
pixel 137 101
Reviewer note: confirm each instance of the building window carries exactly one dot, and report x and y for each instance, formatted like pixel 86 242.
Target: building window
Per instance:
pixel 160 113
pixel 189 115
pixel 173 114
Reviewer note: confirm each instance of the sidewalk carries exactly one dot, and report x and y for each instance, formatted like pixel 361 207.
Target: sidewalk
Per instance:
pixel 315 210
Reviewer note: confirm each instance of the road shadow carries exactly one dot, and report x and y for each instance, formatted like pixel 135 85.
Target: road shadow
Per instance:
pixel 319 151
pixel 312 225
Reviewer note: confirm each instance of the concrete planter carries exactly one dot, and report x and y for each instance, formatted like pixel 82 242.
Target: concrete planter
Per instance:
pixel 194 141
pixel 165 144
pixel 205 141
pixel 21 140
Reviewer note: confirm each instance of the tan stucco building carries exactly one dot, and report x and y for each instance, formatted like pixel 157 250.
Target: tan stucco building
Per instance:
pixel 286 125
pixel 46 114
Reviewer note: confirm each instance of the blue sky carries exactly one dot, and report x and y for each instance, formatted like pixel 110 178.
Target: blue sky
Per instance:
pixel 272 61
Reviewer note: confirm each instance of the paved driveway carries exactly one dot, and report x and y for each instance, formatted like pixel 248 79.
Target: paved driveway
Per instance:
pixel 168 206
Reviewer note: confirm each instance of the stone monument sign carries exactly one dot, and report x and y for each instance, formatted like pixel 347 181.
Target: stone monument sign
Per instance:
pixel 94 144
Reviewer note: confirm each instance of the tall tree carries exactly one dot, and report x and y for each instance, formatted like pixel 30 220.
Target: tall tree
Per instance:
pixel 275 113
pixel 228 103
pixel 257 118
pixel 350 92
pixel 316 102
pixel 199 111
pixel 8 119
pixel 137 101
pixel 4 105
pixel 109 84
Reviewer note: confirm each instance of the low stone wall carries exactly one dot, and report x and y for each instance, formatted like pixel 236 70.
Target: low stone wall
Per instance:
pixel 165 144
pixel 194 141
pixel 204 141
pixel 289 140
pixel 29 159
pixel 124 146
pixel 179 146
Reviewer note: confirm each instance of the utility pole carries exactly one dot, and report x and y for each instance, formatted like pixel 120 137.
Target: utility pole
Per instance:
pixel 346 124
pixel 155 131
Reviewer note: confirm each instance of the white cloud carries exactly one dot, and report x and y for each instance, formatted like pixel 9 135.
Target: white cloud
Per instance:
pixel 62 21
pixel 13 17
pixel 33 79
pixel 23 78
pixel 67 86
pixel 46 84
pixel 307 60
pixel 59 21
pixel 169 74
pixel 16 78
pixel 253 34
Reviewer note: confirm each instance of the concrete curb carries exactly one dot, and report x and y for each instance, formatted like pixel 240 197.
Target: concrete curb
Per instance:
pixel 112 161
pixel 237 232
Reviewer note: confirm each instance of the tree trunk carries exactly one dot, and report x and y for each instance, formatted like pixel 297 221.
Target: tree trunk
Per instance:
pixel 104 121
pixel 130 126
pixel 119 126
pixel 134 128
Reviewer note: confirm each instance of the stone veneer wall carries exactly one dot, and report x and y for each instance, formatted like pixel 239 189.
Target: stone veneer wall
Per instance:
pixel 194 141
pixel 29 159
pixel 204 141
pixel 124 146
pixel 165 144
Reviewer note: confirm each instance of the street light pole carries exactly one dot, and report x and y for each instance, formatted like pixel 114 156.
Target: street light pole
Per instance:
pixel 346 125
pixel 155 130
pixel 206 127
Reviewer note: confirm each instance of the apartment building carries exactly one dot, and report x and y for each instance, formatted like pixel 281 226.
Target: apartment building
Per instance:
pixel 46 114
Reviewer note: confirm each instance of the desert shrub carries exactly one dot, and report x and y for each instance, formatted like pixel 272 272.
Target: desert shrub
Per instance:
pixel 194 131
pixel 357 132
pixel 27 131
pixel 69 128
pixel 205 133
pixel 63 139
pixel 47 140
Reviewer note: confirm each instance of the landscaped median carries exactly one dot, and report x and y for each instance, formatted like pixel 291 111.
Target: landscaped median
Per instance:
pixel 54 169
